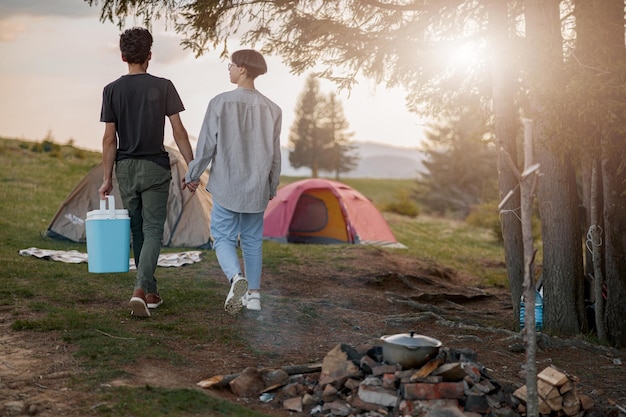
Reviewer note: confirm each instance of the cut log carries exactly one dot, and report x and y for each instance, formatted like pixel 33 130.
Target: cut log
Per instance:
pixel 556 403
pixel 427 369
pixel 571 404
pixel 546 390
pixel 544 408
pixel 566 387
pixel 224 380
pixel 450 372
pixel 553 377
pixel 586 402
pixel 521 394
pixel 302 369
pixel 271 388
pixel 215 381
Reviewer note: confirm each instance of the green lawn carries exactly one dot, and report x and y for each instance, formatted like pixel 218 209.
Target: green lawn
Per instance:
pixel 42 296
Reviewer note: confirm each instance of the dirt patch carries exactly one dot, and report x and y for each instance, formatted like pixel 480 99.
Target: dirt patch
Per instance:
pixel 307 310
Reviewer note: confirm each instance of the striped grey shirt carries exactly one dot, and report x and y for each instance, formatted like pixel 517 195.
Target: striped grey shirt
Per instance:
pixel 240 139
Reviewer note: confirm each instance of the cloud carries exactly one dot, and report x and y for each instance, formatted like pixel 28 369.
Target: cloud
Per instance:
pixel 9 30
pixel 166 48
pixel 20 18
pixel 17 17
pixel 65 8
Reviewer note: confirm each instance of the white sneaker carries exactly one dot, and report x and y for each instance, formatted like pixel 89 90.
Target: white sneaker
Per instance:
pixel 252 301
pixel 238 288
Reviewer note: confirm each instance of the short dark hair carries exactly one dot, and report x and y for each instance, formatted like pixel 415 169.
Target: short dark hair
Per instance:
pixel 135 45
pixel 251 60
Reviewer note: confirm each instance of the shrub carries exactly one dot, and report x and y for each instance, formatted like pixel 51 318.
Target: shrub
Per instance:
pixel 403 205
pixel 486 216
pixel 47 146
pixel 79 153
pixel 37 147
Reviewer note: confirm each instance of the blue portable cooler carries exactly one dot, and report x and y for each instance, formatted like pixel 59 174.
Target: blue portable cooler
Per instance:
pixel 108 238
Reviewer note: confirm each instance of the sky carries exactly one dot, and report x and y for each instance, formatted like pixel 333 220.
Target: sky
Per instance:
pixel 56 57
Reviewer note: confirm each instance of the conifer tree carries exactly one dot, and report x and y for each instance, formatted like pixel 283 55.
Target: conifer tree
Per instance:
pixel 307 140
pixel 461 165
pixel 341 158
pixel 318 138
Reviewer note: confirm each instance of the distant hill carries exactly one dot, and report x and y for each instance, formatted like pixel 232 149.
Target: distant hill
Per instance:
pixel 376 160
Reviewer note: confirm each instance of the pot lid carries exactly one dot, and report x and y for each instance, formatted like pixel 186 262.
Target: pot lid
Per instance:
pixel 412 340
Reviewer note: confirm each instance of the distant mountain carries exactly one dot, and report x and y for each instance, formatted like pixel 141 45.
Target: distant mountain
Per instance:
pixel 376 160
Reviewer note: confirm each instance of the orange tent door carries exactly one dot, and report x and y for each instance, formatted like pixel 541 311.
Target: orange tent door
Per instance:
pixel 318 218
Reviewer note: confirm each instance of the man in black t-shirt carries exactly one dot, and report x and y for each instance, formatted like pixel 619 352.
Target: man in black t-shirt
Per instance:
pixel 134 108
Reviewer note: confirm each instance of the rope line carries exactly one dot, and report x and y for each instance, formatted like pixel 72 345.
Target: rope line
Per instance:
pixel 594 237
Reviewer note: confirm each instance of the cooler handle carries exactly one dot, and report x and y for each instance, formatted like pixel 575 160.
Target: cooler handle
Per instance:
pixel 111 200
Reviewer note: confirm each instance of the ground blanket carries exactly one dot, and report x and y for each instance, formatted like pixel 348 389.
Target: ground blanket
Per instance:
pixel 75 257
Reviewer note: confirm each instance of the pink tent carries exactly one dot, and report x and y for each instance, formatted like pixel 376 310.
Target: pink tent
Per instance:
pixel 323 211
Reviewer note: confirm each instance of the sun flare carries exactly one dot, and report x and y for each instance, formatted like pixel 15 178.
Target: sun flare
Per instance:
pixel 464 54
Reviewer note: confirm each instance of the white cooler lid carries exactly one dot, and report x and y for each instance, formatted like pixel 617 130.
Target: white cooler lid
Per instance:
pixel 107 214
pixel 110 213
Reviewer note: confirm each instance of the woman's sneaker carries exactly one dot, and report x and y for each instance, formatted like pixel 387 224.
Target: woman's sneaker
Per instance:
pixel 238 288
pixel 252 301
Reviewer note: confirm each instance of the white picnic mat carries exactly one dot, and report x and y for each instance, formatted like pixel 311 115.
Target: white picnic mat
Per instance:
pixel 75 257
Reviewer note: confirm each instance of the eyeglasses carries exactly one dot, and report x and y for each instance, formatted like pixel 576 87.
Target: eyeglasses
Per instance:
pixel 231 65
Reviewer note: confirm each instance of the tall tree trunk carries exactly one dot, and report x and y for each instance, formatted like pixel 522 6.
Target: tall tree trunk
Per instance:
pixel 556 193
pixel 585 189
pixel 588 20
pixel 614 180
pixel 506 128
pixel 600 50
pixel 595 244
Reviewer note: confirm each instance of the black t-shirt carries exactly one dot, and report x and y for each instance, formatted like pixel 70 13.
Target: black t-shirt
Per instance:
pixel 138 105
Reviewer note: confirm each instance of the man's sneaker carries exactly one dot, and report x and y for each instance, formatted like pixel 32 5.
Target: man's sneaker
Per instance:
pixel 252 301
pixel 153 300
pixel 238 287
pixel 138 304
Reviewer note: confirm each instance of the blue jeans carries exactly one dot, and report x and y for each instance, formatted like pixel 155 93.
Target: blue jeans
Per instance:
pixel 144 188
pixel 226 227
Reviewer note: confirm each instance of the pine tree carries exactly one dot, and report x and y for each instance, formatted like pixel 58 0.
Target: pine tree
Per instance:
pixel 318 137
pixel 307 138
pixel 341 158
pixel 461 165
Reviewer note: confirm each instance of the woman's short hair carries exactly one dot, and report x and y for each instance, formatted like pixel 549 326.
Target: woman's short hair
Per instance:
pixel 251 60
pixel 135 45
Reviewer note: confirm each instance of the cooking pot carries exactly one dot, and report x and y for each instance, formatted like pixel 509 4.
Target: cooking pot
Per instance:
pixel 409 349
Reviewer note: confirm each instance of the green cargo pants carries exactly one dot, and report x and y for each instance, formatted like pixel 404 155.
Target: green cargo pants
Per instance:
pixel 144 188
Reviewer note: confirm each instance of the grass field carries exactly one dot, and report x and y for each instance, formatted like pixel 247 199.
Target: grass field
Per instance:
pixel 35 182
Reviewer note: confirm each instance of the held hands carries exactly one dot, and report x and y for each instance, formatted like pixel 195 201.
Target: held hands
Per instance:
pixel 192 186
